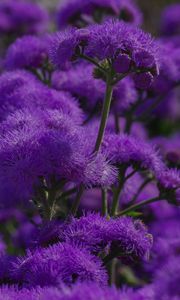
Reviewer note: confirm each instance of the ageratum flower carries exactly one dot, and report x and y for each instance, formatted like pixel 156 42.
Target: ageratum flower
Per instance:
pixel 15 293
pixel 81 13
pixel 22 17
pixel 169 179
pixel 26 52
pixel 124 96
pixel 169 68
pixel 166 281
pixel 129 238
pixel 87 232
pixel 60 263
pixel 47 143
pixel 20 89
pixel 169 185
pixel 129 150
pixel 170 148
pixel 46 235
pixel 79 81
pixel 170 20
pixel 122 44
pixel 166 241
pixel 6 262
pixel 92 291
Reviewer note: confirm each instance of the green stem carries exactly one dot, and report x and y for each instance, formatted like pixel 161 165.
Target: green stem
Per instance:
pixel 104 118
pixel 130 175
pixel 77 200
pixel 139 205
pixel 52 202
pixel 104 202
pixel 94 62
pixel 117 193
pixel 112 279
pixel 68 193
pixel 105 113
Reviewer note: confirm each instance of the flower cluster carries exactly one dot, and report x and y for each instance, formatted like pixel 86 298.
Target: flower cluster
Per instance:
pixel 89 152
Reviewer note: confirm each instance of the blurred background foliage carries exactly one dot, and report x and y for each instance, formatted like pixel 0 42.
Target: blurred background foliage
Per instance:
pixel 151 10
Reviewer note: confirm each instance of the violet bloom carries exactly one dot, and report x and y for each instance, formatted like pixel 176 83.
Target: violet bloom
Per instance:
pixel 166 241
pixel 107 41
pixel 20 89
pixel 169 185
pixel 170 20
pixel 166 281
pixel 6 262
pixel 129 238
pixel 46 235
pixel 60 263
pixel 169 68
pixel 170 148
pixel 128 150
pixel 16 293
pixel 47 143
pixel 88 232
pixel 81 13
pixel 124 96
pixel 22 17
pixel 26 52
pixel 79 81
pixel 92 291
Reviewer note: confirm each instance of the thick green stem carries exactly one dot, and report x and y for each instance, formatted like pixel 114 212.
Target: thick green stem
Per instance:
pixel 105 113
pixel 104 118
pixel 104 202
pixel 139 205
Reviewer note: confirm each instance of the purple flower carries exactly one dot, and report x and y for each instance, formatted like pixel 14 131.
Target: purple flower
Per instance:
pixel 124 95
pixel 79 81
pixel 170 20
pixel 169 179
pixel 6 262
pixel 22 17
pixel 64 45
pixel 169 185
pixel 92 291
pixel 113 38
pixel 110 40
pixel 169 68
pixel 170 148
pixel 166 242
pixel 88 232
pixel 26 52
pixel 15 293
pixel 20 89
pixel 60 263
pixel 129 238
pixel 46 235
pixel 126 149
pixel 166 281
pixel 143 80
pixel 81 13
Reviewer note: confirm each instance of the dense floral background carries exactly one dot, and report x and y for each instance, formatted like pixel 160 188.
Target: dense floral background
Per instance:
pixel 89 150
